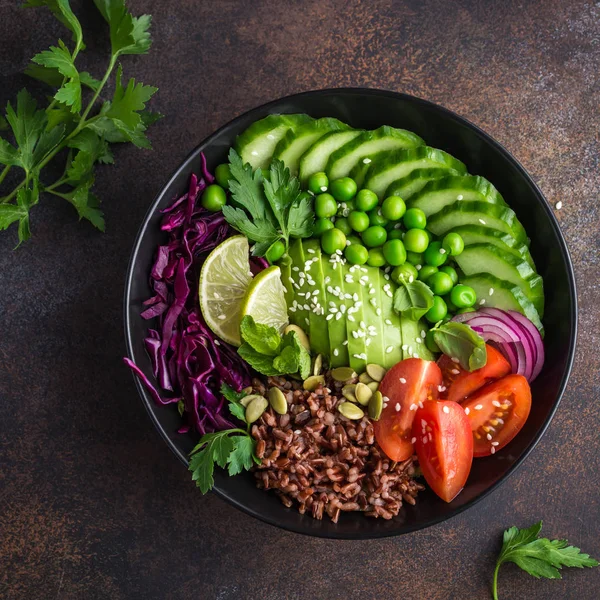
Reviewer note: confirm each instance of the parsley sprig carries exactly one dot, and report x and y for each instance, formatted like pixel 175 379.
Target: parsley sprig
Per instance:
pixel 233 449
pixel 68 125
pixel 537 556
pixel 267 210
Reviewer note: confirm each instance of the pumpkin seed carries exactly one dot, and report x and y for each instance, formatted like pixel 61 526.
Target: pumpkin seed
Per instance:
pixel 373 386
pixel 343 373
pixel 376 372
pixel 375 406
pixel 313 382
pixel 302 337
pixel 363 393
pixel 247 399
pixel 351 411
pixel 348 392
pixel 248 390
pixel 365 378
pixel 256 408
pixel 318 364
pixel 278 400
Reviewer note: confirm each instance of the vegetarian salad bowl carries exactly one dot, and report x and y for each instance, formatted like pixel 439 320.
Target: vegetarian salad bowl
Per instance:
pixel 346 304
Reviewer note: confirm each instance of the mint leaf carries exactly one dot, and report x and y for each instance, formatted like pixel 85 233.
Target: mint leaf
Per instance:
pixel 287 361
pixel 263 338
pixel 304 362
pixel 413 299
pixel 458 340
pixel 259 362
pixel 242 455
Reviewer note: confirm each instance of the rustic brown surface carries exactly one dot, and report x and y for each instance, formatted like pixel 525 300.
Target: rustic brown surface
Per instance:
pixel 92 502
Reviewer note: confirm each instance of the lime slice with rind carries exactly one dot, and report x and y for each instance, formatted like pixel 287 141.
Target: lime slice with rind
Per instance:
pixel 224 281
pixel 265 299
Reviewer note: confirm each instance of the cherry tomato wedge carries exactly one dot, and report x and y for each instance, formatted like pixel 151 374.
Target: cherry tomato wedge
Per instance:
pixel 444 445
pixel 406 385
pixel 460 383
pixel 497 413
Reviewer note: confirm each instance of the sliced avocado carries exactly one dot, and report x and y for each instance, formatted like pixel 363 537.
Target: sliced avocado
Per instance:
pixel 296 141
pixel 399 163
pixel 372 312
pixel 256 144
pixel 413 342
pixel 285 264
pixel 463 188
pixel 342 161
pixel 298 311
pixel 356 329
pixel 487 258
pixel 391 342
pixel 410 184
pixel 496 216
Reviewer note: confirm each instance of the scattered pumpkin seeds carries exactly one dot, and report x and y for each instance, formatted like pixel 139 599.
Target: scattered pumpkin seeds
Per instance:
pixel 318 364
pixel 248 390
pixel 302 337
pixel 247 399
pixel 343 373
pixel 375 406
pixel 313 382
pixel 256 408
pixel 373 386
pixel 376 372
pixel 365 378
pixel 363 393
pixel 348 392
pixel 278 400
pixel 351 411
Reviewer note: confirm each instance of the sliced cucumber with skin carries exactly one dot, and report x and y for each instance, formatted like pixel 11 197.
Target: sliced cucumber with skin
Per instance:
pixel 498 293
pixel 455 188
pixel 487 258
pixel 495 216
pixel 479 234
pixel 257 143
pixel 314 160
pixel 408 186
pixel 343 160
pixel 400 163
pixel 296 141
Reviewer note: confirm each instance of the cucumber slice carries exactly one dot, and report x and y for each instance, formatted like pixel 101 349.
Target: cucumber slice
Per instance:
pixel 400 163
pixel 256 144
pixel 461 213
pixel 502 294
pixel 407 186
pixel 296 141
pixel 464 188
pixel 478 234
pixel 314 160
pixel 487 258
pixel 342 161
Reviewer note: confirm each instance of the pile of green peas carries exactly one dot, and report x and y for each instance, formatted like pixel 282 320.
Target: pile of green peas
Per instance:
pixel 387 234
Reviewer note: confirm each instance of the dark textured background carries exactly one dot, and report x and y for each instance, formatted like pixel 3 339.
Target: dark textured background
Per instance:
pixel 92 502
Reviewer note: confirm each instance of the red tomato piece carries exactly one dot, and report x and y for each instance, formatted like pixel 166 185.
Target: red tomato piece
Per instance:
pixel 497 413
pixel 406 386
pixel 444 445
pixel 460 383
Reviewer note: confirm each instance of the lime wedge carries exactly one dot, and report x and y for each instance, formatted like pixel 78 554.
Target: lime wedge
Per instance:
pixel 224 280
pixel 265 299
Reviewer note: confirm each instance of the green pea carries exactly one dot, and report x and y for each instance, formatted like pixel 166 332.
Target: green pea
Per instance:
pixel 343 189
pixel 376 217
pixel 342 224
pixel 395 234
pixel 426 271
pixel 223 175
pixel 393 208
pixel 450 271
pixel 435 255
pixel 438 311
pixel 376 258
pixel 394 252
pixel 275 252
pixel 414 218
pixel 440 283
pixel 354 239
pixel 318 182
pixel 356 254
pixel 359 221
pixel 414 258
pixel 404 273
pixel 366 200
pixel 332 240
pixel 467 309
pixel 463 296
pixel 430 342
pixel 321 226
pixel 374 236
pixel 213 198
pixel 325 205
pixel 416 240
pixel 453 244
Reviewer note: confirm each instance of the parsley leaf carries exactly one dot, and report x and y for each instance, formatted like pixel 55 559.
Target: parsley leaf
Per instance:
pixel 202 466
pixel 86 204
pixel 235 407
pixel 540 557
pixel 242 455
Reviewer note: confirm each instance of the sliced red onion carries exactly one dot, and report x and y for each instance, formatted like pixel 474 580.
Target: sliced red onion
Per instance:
pixel 537 340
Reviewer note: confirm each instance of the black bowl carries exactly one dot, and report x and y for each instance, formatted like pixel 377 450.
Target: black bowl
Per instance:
pixel 369 109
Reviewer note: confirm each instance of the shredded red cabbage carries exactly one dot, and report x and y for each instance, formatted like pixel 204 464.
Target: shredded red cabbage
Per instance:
pixel 188 361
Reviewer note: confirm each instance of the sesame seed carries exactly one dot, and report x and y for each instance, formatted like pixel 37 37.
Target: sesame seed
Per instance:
pixel 424 439
pixel 345 343
pixel 478 406
pixel 418 267
pixel 482 221
pixel 355 297
pixel 397 407
pixel 388 322
pixel 397 225
pixel 343 308
pixel 306 307
pixel 270 136
pixel 418 340
pixel 459 197
pixel 373 302
pixel 413 440
pixel 410 350
pixel 327 279
pixel 558 205
pixel 496 403
pixel 351 318
pixel 378 311
pixel 254 153
pixel 355 334
pixel 222 317
pixel 421 404
pixel 488 436
pixel 413 407
pixel 455 372
pixel 336 352
pixel 368 342
pixel 495 443
pixel 467 410
pixel 333 309
pixel 389 349
pixel 338 316
pixel 442 251
pixel 411 279
pixel 307 322
pixel 338 252
pixel 372 290
pixel 329 317
pixel 482 302
pixel 349 279
pixel 217 343
pixel 323 188
pixel 386 276
pixel 310 251
pixel 366 161
pixel 493 450
pixel 404 347
pixel 423 334
pixel 454 359
pixel 446 410
pixel 402 380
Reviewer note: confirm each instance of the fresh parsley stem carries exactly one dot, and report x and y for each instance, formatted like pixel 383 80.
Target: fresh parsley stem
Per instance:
pixel 86 112
pixel 4 173
pixel 495 582
pixel 8 198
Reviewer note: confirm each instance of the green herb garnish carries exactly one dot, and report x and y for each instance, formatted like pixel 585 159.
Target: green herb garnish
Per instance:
pixel 459 341
pixel 82 134
pixel 233 449
pixel 413 299
pixel 267 352
pixel 540 557
pixel 267 211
